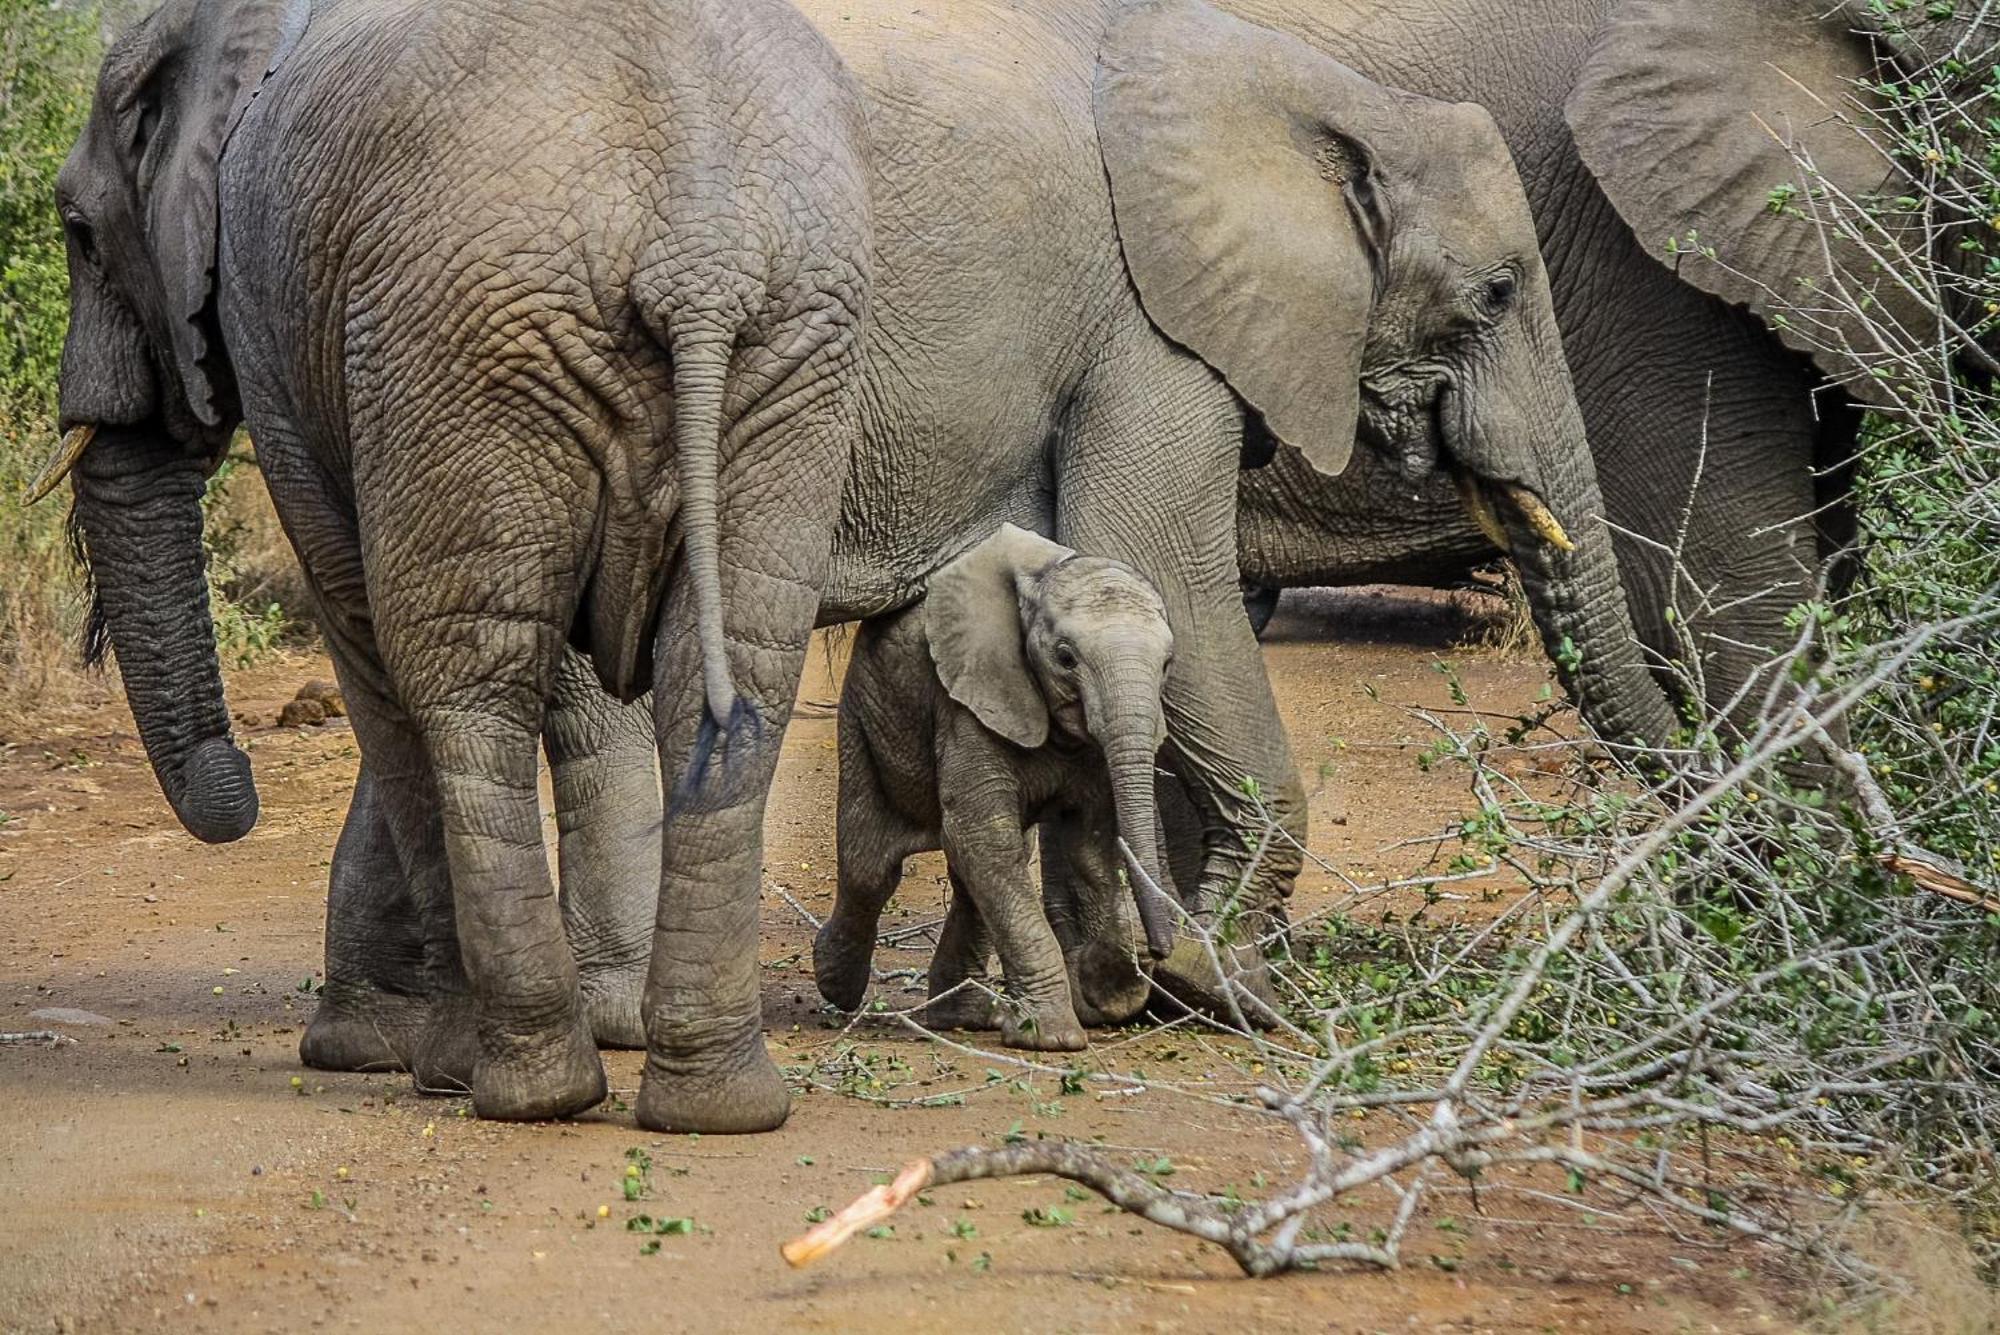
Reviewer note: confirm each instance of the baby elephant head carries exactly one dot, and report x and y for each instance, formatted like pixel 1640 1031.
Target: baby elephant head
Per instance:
pixel 1030 636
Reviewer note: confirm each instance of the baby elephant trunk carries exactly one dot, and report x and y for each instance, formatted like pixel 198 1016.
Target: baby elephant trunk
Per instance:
pixel 1128 728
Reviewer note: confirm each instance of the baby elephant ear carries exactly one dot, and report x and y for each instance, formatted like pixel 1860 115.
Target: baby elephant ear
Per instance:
pixel 1243 187
pixel 973 619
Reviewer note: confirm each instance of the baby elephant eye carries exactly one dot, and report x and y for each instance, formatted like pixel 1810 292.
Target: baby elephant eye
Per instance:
pixel 1065 658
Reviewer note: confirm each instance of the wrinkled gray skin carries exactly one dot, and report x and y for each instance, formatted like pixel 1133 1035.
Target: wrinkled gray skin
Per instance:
pixel 1633 122
pixel 1027 681
pixel 604 769
pixel 1048 352
pixel 1277 232
pixel 517 299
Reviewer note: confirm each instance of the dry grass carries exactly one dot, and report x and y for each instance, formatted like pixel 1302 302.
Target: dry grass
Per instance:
pixel 1933 1285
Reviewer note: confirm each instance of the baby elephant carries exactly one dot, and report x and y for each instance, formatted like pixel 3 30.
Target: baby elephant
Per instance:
pixel 1026 684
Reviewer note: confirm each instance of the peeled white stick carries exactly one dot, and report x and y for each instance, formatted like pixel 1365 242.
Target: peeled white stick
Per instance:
pixel 865 1212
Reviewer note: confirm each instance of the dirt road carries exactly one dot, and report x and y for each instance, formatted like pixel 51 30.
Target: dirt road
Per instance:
pixel 175 1167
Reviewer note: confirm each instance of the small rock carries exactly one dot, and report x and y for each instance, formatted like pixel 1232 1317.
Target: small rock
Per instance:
pixel 301 714
pixel 327 694
pixel 70 1015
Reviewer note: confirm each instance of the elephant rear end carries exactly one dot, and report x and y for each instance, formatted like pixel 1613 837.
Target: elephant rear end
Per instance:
pixel 582 293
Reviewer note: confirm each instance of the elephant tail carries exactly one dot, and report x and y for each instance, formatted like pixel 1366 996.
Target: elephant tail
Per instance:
pixel 700 376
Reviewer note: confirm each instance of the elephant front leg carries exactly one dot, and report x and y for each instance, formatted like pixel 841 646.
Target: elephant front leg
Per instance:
pixel 1090 909
pixel 1148 475
pixel 987 850
pixel 389 901
pixel 604 768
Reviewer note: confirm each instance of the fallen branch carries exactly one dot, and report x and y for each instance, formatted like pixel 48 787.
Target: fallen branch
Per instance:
pixel 1937 875
pixel 1124 1188
pixel 48 1038
pixel 1926 870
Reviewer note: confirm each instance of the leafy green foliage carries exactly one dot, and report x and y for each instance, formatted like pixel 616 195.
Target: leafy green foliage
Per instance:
pixel 48 70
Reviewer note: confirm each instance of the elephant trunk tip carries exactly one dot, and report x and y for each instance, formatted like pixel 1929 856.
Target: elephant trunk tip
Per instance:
pixel 1155 912
pixel 217 798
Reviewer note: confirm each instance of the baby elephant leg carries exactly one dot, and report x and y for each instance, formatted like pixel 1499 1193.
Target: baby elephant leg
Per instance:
pixel 988 853
pixel 962 997
pixel 871 842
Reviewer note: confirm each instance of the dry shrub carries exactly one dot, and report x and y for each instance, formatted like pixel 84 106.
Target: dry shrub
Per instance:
pixel 1932 1284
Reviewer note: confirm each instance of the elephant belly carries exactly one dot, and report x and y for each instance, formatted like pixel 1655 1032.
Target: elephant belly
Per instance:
pixel 996 261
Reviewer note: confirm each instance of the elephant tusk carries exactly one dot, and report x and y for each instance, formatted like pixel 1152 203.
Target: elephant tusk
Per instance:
pixel 1537 514
pixel 1473 497
pixel 74 442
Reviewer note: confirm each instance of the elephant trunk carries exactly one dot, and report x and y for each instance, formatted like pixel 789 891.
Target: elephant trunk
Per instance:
pixel 138 506
pixel 1129 727
pixel 1550 520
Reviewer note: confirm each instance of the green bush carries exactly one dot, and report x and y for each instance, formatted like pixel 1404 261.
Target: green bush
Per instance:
pixel 48 60
pixel 48 70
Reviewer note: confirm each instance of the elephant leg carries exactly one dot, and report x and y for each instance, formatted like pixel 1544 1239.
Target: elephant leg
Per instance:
pixel 472 615
pixel 961 993
pixel 707 1068
pixel 373 1005
pixel 1147 474
pixel 1707 439
pixel 871 845
pixel 987 851
pixel 394 976
pixel 604 768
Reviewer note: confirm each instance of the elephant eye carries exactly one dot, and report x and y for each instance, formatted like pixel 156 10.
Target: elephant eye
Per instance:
pixel 1496 294
pixel 1065 658
pixel 86 240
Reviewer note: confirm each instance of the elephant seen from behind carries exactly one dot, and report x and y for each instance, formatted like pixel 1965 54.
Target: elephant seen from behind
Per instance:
pixel 519 298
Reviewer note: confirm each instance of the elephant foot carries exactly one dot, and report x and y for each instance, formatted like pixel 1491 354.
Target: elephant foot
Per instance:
pixel 1107 984
pixel 538 1078
pixel 840 963
pixel 1188 980
pixel 446 1053
pixel 612 1005
pixel 1047 1029
pixel 362 1029
pixel 737 1096
pixel 967 1007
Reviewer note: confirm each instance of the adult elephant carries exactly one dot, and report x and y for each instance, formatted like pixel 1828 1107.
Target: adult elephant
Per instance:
pixel 522 300
pixel 1287 253
pixel 1720 340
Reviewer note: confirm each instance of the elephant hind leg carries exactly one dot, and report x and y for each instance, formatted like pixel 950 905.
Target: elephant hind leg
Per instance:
pixel 472 618
pixel 872 842
pixel 707 1068
pixel 962 994
pixel 604 769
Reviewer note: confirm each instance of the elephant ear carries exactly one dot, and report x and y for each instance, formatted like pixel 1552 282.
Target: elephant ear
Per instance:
pixel 1689 113
pixel 1244 192
pixel 974 622
pixel 183 78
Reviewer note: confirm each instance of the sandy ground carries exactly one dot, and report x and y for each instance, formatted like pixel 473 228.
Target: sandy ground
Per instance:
pixel 177 1168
